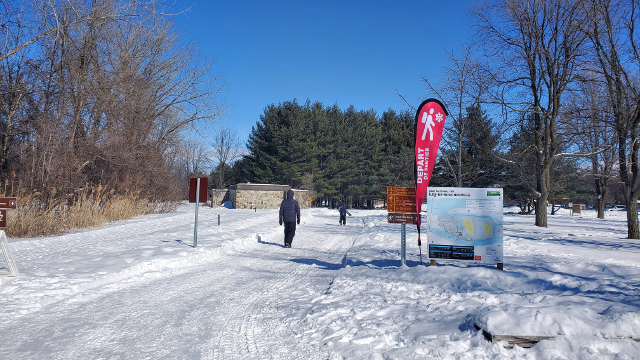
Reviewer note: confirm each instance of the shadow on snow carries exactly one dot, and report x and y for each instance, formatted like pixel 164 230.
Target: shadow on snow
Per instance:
pixel 374 264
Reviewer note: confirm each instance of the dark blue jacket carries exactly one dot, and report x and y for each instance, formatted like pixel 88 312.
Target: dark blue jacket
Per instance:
pixel 342 208
pixel 289 209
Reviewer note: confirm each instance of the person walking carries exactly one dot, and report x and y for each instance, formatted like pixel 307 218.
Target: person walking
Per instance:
pixel 289 215
pixel 342 208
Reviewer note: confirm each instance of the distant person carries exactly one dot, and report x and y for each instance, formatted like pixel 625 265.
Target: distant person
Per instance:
pixel 290 215
pixel 342 208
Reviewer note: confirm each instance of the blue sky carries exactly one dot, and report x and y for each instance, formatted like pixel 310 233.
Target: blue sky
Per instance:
pixel 337 52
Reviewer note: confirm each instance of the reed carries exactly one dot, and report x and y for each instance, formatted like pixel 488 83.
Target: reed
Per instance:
pixel 49 213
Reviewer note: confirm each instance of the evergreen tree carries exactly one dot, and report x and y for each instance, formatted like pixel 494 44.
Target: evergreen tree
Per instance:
pixel 520 179
pixel 398 148
pixel 331 152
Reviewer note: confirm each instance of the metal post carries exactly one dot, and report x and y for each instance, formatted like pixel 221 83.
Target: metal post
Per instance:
pixel 218 219
pixel 195 228
pixel 403 245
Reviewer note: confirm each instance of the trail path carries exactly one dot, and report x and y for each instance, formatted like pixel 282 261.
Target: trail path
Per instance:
pixel 223 300
pixel 138 289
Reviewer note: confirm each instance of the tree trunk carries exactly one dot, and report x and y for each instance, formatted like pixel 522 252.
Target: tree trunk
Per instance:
pixel 541 211
pixel 600 206
pixel 632 219
pixel 543 196
pixel 601 191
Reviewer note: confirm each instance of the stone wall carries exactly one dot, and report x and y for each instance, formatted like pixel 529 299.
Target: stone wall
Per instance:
pixel 302 196
pixel 248 199
pixel 219 196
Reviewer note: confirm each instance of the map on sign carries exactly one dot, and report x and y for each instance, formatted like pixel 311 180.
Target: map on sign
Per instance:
pixel 465 224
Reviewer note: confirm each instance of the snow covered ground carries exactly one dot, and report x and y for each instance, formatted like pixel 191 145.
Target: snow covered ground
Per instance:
pixel 138 290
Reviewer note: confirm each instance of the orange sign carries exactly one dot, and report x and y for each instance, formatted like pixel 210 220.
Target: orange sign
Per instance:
pixel 401 199
pixel 401 208
pixel 405 191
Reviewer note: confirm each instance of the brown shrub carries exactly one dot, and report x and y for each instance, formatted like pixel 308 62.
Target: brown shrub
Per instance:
pixel 45 214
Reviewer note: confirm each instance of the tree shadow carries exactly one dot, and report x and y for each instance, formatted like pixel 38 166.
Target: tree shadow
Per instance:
pixel 179 242
pixel 374 264
pixel 618 244
pixel 615 288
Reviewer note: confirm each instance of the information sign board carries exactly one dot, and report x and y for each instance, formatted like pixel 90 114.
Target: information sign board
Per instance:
pixel 8 202
pixel 401 205
pixel 576 208
pixel 404 191
pixel 3 218
pixel 465 224
pixel 193 185
pixel 402 218
pixel 401 208
pixel 401 199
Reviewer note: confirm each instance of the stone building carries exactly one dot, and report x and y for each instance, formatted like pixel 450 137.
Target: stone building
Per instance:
pixel 261 196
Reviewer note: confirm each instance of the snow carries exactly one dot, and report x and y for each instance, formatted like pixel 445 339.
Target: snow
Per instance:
pixel 138 289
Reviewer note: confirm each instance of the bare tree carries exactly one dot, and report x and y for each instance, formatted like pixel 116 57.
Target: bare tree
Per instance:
pixel 195 159
pixel 611 29
pixel 594 129
pixel 536 46
pixel 225 150
pixel 110 95
pixel 16 83
pixel 48 19
pixel 463 87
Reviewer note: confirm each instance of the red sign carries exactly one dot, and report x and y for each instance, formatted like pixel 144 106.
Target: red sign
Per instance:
pixel 193 184
pixel 8 202
pixel 430 118
pixel 3 218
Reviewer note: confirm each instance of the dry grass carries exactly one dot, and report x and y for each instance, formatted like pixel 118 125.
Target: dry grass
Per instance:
pixel 46 214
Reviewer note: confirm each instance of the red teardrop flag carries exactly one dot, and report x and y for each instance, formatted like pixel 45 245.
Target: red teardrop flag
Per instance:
pixel 430 118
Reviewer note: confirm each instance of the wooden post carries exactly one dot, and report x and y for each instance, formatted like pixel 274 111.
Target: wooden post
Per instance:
pixel 432 263
pixel 499 266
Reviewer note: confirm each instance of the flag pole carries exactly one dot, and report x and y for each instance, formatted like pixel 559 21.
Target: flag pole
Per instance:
pixel 419 242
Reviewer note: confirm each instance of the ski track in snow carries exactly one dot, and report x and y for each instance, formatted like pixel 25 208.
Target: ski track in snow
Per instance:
pixel 137 289
pixel 239 322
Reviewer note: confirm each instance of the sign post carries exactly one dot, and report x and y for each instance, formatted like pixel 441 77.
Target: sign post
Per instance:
pixel 403 245
pixel 401 209
pixel 7 203
pixel 197 194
